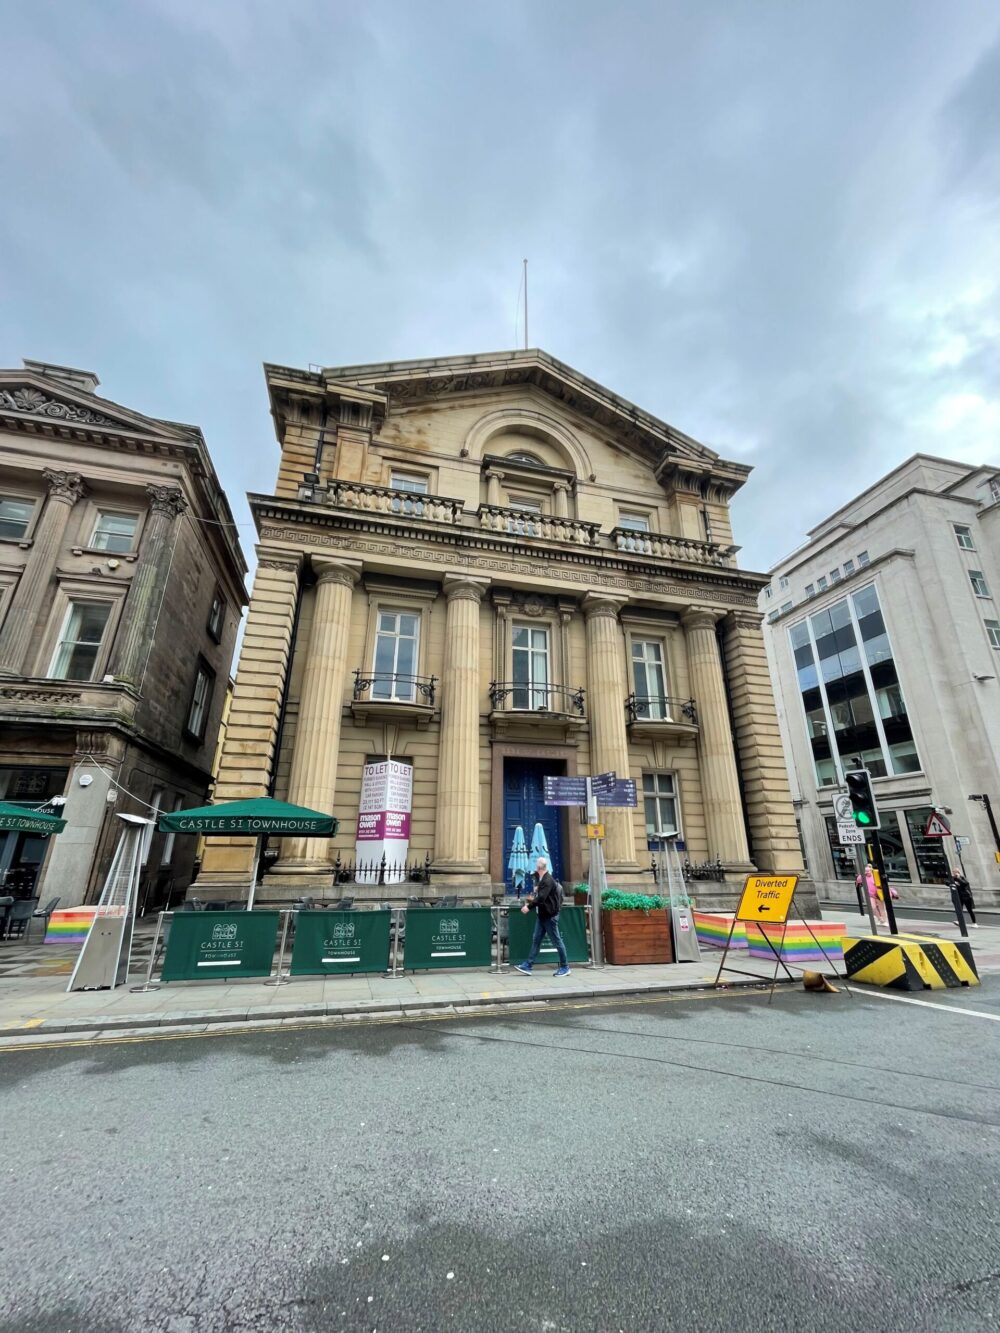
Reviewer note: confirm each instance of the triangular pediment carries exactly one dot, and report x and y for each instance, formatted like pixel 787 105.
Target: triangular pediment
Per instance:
pixel 25 396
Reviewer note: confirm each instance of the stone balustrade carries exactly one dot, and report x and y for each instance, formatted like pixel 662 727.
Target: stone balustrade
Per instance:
pixel 540 527
pixel 672 548
pixel 384 500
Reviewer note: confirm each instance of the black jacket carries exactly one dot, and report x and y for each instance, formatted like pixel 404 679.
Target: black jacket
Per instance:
pixel 546 894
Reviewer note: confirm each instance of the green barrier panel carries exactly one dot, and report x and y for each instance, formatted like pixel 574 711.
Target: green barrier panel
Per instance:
pixel 572 927
pixel 448 937
pixel 220 944
pixel 333 943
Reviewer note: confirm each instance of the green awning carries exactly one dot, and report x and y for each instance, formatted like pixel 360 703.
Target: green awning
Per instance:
pixel 22 819
pixel 256 817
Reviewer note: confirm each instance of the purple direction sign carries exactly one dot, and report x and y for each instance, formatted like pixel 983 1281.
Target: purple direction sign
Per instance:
pixel 565 791
pixel 622 792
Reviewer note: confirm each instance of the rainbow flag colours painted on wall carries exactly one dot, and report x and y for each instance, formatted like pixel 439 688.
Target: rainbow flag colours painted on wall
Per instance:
pixel 70 926
pixel 712 929
pixel 799 946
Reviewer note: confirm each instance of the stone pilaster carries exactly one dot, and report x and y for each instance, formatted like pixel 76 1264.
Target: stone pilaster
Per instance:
pixel 313 778
pixel 770 813
pixel 561 499
pixel 606 691
pixel 248 752
pixel 65 488
pixel 494 495
pixel 720 784
pixel 132 643
pixel 456 835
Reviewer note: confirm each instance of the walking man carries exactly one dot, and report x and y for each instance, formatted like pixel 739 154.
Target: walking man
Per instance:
pixel 961 895
pixel 546 897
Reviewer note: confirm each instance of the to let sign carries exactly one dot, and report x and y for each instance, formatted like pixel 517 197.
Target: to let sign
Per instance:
pixel 766 898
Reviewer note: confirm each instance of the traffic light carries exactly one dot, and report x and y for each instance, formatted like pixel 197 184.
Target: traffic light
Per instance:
pixel 859 788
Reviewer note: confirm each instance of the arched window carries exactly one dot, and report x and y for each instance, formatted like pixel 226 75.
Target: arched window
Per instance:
pixel 522 456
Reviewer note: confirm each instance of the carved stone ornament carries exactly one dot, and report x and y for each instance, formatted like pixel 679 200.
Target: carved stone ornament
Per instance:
pixel 533 606
pixel 166 500
pixel 66 486
pixel 286 566
pixel 37 404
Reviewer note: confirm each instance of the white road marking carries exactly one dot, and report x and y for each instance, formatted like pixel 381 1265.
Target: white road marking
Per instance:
pixel 930 1004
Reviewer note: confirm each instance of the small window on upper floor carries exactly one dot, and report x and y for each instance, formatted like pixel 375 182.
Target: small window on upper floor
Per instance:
pixel 863 559
pixel 633 521
pixel 995 488
pixel 522 456
pixel 785 606
pixel 848 567
pixel 15 516
pixel 963 535
pixel 217 616
pixel 993 633
pixel 768 592
pixel 783 583
pixel 810 590
pixel 114 532
pixel 772 616
pixel 821 582
pixel 408 481
pixel 835 575
pixel 979 585
pixel 201 701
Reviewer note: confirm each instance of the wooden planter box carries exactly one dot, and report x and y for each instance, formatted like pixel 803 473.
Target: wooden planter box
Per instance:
pixel 581 899
pixel 637 937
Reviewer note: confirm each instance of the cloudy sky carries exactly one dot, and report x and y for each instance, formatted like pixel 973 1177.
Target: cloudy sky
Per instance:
pixel 775 223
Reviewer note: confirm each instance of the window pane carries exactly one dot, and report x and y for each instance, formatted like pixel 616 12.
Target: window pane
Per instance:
pixel 635 522
pixel 932 863
pixel 963 534
pixel 842 857
pixel 401 481
pixel 114 532
pixel 866 602
pixel 76 654
pixel 892 848
pixel 993 632
pixel 15 515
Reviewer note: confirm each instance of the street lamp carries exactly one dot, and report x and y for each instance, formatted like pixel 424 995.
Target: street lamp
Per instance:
pixel 983 799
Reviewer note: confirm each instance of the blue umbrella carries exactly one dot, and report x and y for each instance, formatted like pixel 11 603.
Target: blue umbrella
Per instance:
pixel 539 847
pixel 518 864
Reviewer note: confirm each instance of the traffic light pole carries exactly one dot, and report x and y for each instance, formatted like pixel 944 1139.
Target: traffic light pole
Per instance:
pixel 991 817
pixel 884 881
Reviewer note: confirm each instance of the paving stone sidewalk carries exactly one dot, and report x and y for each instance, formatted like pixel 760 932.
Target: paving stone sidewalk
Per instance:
pixel 34 1003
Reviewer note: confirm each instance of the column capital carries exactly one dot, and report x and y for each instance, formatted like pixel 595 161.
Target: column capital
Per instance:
pixel 700 617
pixel 464 588
pixel 745 619
pixel 335 571
pixel 597 604
pixel 166 500
pixel 65 486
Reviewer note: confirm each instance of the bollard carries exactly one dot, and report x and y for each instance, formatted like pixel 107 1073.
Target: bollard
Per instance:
pixel 959 911
pixel 498 966
pixel 280 979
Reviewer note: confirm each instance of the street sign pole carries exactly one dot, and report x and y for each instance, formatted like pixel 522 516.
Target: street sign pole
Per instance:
pixel 596 882
pixel 886 895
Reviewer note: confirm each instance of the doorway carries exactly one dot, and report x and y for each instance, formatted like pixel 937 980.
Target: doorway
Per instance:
pixel 524 805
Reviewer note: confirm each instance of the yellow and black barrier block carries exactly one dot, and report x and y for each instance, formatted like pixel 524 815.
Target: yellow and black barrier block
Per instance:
pixel 910 962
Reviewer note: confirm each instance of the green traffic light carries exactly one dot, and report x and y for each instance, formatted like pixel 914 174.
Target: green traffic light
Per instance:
pixel 862 817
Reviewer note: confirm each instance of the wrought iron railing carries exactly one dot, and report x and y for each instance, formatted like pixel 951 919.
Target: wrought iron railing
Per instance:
pixel 660 708
pixel 511 696
pixel 708 871
pixel 381 871
pixel 389 687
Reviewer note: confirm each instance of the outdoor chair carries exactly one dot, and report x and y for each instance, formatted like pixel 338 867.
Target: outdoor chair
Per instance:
pixel 344 905
pixel 449 900
pixel 19 917
pixel 43 914
pixel 236 905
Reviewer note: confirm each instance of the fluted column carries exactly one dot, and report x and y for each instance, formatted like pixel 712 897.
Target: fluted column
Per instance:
pixel 606 691
pixel 142 603
pixel 720 784
pixel 313 778
pixel 65 488
pixel 456 836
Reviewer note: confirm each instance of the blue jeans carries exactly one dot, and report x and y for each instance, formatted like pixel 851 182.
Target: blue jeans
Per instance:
pixel 550 928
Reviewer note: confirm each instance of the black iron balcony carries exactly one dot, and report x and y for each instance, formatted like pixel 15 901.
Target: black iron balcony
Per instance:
pixel 509 696
pixel 388 687
pixel 660 708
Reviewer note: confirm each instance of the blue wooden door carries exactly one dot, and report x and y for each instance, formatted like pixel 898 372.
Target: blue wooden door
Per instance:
pixel 524 804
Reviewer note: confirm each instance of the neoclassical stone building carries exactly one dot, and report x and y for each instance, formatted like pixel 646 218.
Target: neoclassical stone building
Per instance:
pixel 492 568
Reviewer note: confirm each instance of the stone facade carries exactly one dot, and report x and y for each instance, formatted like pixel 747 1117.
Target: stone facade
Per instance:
pixel 926 541
pixel 516 536
pixel 119 581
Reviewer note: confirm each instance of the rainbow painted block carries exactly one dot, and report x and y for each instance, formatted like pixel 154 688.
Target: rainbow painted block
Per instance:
pixel 799 945
pixel 70 926
pixel 712 929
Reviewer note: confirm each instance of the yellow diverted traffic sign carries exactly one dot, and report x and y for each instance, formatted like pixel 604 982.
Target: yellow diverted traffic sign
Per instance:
pixel 766 898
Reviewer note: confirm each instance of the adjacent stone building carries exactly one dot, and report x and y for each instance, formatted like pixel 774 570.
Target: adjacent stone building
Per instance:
pixel 493 569
pixel 883 633
pixel 121 591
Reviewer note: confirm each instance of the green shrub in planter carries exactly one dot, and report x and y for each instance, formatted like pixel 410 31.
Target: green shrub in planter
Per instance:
pixel 616 900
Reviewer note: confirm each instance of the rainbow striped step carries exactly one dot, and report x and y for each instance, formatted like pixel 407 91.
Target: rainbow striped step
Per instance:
pixel 799 946
pixel 70 926
pixel 712 929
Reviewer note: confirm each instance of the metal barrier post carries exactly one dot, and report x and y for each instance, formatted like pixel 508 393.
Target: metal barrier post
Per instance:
pixel 499 966
pixel 148 983
pixel 280 979
pixel 397 915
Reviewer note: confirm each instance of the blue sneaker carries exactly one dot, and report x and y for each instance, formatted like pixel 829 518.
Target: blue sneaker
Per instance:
pixel 523 967
pixel 561 972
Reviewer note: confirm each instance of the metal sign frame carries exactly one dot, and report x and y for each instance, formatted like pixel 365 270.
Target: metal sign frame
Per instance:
pixel 104 958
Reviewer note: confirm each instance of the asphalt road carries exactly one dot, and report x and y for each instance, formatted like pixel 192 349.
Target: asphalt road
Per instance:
pixel 693 1163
